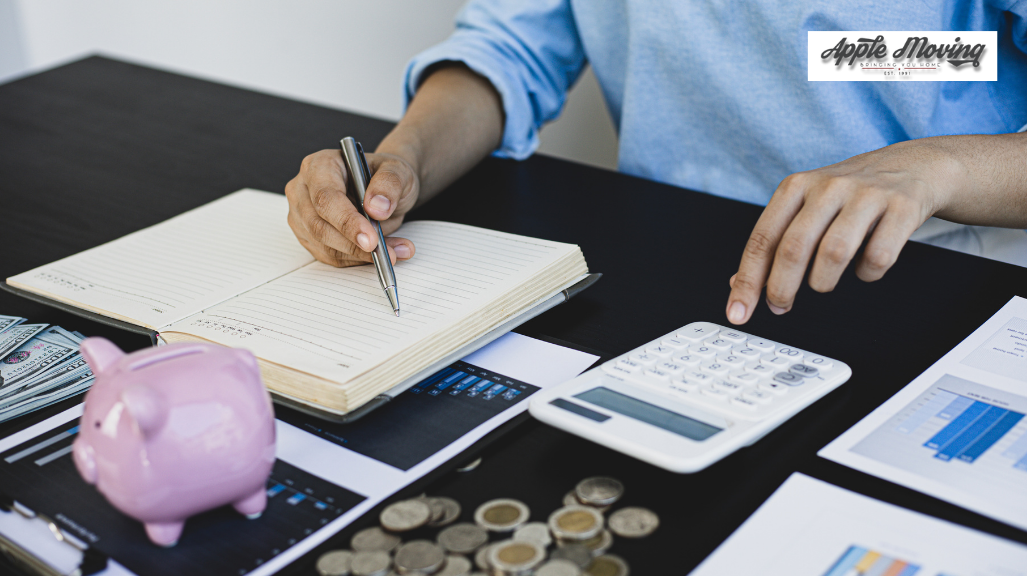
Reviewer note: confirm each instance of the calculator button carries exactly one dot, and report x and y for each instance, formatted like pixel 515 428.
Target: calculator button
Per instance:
pixel 629 365
pixel 804 370
pixel 760 344
pixel 745 403
pixel 698 331
pixel 645 359
pixel 714 393
pixel 773 387
pixel 789 378
pixel 747 353
pixel 618 370
pixel 715 368
pixel 733 336
pixel 678 343
pixel 744 378
pixel 698 378
pixel 704 352
pixel 758 396
pixel 818 362
pixel 731 361
pixel 686 360
pixel 719 344
pixel 670 368
pixel 760 370
pixel 682 384
pixel 661 351
pixel 789 353
pixel 729 387
pixel 776 362
pixel 657 375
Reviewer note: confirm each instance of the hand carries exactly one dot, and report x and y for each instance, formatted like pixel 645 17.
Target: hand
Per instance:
pixel 327 223
pixel 884 195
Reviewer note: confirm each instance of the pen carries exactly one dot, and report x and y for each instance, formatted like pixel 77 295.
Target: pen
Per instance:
pixel 361 176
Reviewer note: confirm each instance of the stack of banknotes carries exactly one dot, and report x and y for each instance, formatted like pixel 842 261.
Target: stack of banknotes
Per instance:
pixel 39 365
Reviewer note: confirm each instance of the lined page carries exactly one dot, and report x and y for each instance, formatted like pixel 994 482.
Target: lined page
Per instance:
pixel 337 323
pixel 177 268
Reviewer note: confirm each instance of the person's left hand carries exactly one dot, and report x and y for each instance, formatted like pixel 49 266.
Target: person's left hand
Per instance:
pixel 884 195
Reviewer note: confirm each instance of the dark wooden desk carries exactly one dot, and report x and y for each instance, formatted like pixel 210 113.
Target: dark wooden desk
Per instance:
pixel 97 149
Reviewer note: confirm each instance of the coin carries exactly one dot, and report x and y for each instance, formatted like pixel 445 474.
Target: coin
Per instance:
pixel 462 538
pixel 501 515
pixel 608 565
pixel 481 558
pixel 579 555
pixel 455 566
pixel 633 522
pixel 334 563
pixel 569 499
pixel 575 523
pixel 558 568
pixel 405 515
pixel 515 557
pixel 374 538
pixel 537 532
pixel 599 490
pixel 421 556
pixel 469 466
pixel 600 544
pixel 436 507
pixel 370 563
pixel 450 512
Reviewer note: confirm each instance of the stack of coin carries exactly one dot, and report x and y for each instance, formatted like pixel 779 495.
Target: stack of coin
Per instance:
pixel 582 537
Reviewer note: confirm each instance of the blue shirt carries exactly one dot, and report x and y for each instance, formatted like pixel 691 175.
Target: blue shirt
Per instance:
pixel 713 96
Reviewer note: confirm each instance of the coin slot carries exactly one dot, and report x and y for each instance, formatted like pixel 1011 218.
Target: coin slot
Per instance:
pixel 170 354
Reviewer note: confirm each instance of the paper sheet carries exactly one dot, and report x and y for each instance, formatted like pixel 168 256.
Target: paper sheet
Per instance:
pixel 811 528
pixel 958 431
pixel 371 468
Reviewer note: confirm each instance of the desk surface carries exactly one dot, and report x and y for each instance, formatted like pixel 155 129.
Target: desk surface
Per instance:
pixel 97 149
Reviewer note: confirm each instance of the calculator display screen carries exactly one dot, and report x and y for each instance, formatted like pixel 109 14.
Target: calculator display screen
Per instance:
pixel 648 413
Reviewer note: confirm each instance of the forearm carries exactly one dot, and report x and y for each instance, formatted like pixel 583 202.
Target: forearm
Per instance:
pixel 991 171
pixel 454 120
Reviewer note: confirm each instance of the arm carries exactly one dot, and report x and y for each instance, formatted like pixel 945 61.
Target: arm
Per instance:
pixel 453 122
pixel 882 197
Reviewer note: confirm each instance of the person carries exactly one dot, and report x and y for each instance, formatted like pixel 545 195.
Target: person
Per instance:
pixel 711 96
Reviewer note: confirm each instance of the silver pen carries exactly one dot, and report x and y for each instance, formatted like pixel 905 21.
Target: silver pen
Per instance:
pixel 361 176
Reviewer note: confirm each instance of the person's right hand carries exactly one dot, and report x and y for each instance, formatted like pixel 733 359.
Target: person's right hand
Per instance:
pixel 327 223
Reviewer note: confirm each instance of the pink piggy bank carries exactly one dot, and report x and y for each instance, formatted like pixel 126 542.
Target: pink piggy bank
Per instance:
pixel 172 431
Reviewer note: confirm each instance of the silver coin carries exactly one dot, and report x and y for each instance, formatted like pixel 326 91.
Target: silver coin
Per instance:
pixel 600 544
pixel 599 490
pixel 462 538
pixel 569 499
pixel 558 567
pixel 334 563
pixel 370 563
pixel 450 512
pixel 455 566
pixel 576 523
pixel 405 515
pixel 608 565
pixel 537 532
pixel 633 522
pixel 374 538
pixel 420 556
pixel 501 515
pixel 515 557
pixel 469 466
pixel 577 554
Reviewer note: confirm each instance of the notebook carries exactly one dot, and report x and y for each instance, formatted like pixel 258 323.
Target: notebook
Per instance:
pixel 231 272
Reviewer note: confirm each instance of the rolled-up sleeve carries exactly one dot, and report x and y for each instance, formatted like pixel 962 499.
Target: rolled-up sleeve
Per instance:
pixel 528 49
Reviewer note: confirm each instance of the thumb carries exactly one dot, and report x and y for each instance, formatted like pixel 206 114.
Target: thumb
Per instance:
pixel 388 185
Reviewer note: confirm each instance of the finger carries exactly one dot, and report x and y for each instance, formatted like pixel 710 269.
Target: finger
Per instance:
pixel 391 181
pixel 328 255
pixel 400 249
pixel 759 250
pixel 892 232
pixel 796 249
pixel 842 240
pixel 327 193
pixel 320 231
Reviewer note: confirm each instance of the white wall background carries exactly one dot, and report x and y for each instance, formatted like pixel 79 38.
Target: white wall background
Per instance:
pixel 291 48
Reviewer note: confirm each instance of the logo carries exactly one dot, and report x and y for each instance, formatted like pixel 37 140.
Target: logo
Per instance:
pixel 16 357
pixel 891 56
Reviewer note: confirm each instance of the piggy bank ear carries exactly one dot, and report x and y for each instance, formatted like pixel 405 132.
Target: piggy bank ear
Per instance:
pixel 100 353
pixel 146 406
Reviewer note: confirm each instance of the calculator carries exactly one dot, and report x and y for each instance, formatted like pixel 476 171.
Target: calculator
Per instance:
pixel 690 397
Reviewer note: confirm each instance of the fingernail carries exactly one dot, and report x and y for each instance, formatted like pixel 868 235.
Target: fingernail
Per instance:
pixel 736 314
pixel 364 242
pixel 402 251
pixel 776 309
pixel 380 203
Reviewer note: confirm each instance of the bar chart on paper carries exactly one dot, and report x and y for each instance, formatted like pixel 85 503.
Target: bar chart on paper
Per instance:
pixel 959 433
pixel 858 560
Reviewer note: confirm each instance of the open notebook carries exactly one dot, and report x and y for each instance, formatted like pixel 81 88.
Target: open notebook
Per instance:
pixel 232 272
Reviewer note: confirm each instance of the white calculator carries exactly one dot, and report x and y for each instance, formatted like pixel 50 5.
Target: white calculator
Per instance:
pixel 691 397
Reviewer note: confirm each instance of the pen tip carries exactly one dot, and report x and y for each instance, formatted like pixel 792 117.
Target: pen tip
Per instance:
pixel 397 313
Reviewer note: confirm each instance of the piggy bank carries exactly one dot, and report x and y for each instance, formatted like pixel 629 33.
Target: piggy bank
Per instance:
pixel 172 431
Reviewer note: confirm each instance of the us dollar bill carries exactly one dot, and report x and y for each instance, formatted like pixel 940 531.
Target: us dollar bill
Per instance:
pixel 13 338
pixel 65 390
pixel 60 334
pixel 72 369
pixel 9 321
pixel 31 358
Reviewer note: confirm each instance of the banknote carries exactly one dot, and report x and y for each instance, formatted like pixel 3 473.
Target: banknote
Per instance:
pixel 9 322
pixel 52 378
pixel 60 334
pixel 12 338
pixel 31 403
pixel 31 358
